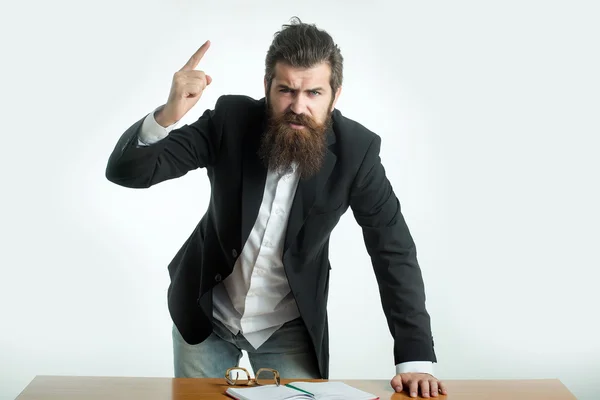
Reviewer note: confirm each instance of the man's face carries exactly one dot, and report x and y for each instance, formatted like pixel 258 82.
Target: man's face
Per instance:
pixel 299 112
pixel 302 92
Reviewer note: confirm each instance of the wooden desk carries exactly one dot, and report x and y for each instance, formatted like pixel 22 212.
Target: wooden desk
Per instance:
pixel 121 388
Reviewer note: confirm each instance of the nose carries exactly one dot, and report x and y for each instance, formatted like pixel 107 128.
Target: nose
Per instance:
pixel 298 106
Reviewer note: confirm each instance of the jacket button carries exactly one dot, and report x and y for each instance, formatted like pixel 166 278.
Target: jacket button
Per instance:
pixel 234 253
pixel 218 277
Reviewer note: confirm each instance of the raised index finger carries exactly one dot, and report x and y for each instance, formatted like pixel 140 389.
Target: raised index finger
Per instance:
pixel 195 59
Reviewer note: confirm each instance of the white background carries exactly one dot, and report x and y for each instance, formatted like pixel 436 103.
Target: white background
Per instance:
pixel 489 117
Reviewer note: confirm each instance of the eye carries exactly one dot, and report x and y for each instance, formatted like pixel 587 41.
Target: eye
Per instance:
pixel 314 93
pixel 285 90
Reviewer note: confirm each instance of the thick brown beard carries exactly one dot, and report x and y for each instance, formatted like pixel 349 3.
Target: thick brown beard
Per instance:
pixel 281 145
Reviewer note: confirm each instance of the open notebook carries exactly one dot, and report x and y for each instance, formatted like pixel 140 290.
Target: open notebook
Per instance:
pixel 300 391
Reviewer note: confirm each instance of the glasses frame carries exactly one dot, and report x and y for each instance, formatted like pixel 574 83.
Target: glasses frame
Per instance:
pixel 251 381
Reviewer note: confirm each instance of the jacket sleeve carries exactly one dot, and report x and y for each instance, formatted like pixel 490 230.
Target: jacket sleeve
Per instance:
pixel 394 258
pixel 184 149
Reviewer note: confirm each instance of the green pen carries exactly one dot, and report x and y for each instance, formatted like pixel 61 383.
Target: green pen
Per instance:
pixel 301 390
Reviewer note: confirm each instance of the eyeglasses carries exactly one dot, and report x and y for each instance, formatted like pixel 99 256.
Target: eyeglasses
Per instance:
pixel 241 376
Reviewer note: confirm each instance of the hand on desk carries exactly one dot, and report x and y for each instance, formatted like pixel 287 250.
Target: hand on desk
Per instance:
pixel 414 383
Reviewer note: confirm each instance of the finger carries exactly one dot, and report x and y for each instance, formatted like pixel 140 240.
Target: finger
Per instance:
pixel 195 76
pixel 424 384
pixel 443 387
pixel 413 387
pixel 195 59
pixel 434 388
pixel 192 90
pixel 396 383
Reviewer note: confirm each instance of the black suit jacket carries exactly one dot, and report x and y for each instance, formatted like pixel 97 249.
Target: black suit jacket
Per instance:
pixel 224 141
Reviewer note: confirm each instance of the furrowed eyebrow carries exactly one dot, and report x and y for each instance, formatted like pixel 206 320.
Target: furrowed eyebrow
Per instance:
pixel 282 86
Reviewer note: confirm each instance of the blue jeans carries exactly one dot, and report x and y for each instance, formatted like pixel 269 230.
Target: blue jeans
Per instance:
pixel 288 350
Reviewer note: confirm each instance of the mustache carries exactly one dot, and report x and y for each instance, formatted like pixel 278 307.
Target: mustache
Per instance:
pixel 298 119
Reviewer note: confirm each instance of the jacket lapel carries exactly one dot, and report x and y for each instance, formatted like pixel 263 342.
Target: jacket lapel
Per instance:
pixel 304 198
pixel 254 175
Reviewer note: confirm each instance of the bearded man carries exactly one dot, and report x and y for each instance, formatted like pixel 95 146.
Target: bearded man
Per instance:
pixel 254 273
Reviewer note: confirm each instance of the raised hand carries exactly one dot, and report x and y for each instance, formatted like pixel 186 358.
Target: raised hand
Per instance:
pixel 186 89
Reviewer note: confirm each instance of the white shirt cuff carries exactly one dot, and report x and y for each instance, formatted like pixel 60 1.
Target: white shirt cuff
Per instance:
pixel 151 132
pixel 423 367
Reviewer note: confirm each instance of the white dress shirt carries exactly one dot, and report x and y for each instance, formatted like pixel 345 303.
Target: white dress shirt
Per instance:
pixel 256 298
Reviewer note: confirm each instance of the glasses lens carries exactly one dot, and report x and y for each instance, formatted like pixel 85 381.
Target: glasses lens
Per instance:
pixel 239 377
pixel 266 377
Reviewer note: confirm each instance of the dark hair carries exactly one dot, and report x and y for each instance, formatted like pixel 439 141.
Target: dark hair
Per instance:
pixel 303 45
